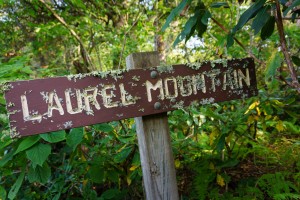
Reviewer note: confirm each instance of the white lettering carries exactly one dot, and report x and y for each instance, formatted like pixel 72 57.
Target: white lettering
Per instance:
pixel 126 100
pixel 107 98
pixel 25 110
pixel 185 91
pixel 243 77
pixel 69 104
pixel 150 86
pixel 91 98
pixel 167 92
pixel 53 96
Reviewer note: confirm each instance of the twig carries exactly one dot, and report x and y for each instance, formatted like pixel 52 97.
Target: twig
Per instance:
pixel 123 127
pixel 85 54
pixel 125 38
pixel 295 83
pixel 238 42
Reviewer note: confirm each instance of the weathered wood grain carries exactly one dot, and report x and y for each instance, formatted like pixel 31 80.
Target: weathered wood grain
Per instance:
pixel 154 143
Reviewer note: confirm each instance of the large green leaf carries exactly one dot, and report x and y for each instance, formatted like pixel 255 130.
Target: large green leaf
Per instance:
pixel 96 173
pixel 39 174
pixel 121 156
pixel 17 185
pixel 261 19
pixel 248 14
pixel 174 13
pixel 27 143
pixel 54 136
pixel 273 64
pixel 188 27
pixel 2 193
pixel 39 153
pixel 75 137
pixel 268 29
pixel 104 127
pixel 294 4
pixel 7 157
pixel 110 194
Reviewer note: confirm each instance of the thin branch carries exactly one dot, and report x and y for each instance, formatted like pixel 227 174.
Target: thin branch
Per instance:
pixel 238 42
pixel 284 48
pixel 125 38
pixel 84 52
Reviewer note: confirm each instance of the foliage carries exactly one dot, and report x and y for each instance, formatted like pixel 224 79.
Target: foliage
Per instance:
pixel 242 149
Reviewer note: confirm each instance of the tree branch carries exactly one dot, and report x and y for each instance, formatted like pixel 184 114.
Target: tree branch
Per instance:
pixel 84 53
pixel 238 42
pixel 288 60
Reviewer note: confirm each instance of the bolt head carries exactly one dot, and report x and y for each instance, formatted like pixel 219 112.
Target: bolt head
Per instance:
pixel 157 105
pixel 153 74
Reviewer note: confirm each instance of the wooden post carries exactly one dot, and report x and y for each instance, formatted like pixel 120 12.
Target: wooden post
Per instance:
pixel 154 143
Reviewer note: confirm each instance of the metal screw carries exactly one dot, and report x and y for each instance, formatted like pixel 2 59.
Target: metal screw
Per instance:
pixel 153 74
pixel 157 105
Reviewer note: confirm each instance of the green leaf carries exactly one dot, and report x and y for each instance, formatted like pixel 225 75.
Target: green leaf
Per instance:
pixel 39 153
pixel 39 174
pixel 230 40
pixel 248 14
pixel 261 19
pixel 294 4
pixel 174 13
pixel 2 193
pixel 268 29
pixel 54 136
pixel 7 157
pixel 296 60
pixel 205 17
pixel 104 127
pixel 27 143
pixel 272 65
pixel 188 27
pixel 96 174
pixel 16 186
pixel 120 157
pixel 75 137
pixel 221 143
pixel 219 4
pixel 110 194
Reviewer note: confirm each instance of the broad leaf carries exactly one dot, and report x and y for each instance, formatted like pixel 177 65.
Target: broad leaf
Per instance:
pixel 75 137
pixel 16 186
pixel 273 64
pixel 2 193
pixel 174 13
pixel 261 19
pixel 54 136
pixel 7 157
pixel 268 29
pixel 27 143
pixel 120 157
pixel 104 127
pixel 294 4
pixel 110 194
pixel 39 153
pixel 96 173
pixel 39 174
pixel 248 14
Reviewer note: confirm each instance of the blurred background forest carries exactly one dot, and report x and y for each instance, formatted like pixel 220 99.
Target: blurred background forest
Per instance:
pixel 241 149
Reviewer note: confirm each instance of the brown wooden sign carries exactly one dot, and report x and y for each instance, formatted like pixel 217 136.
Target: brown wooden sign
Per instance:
pixel 45 105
